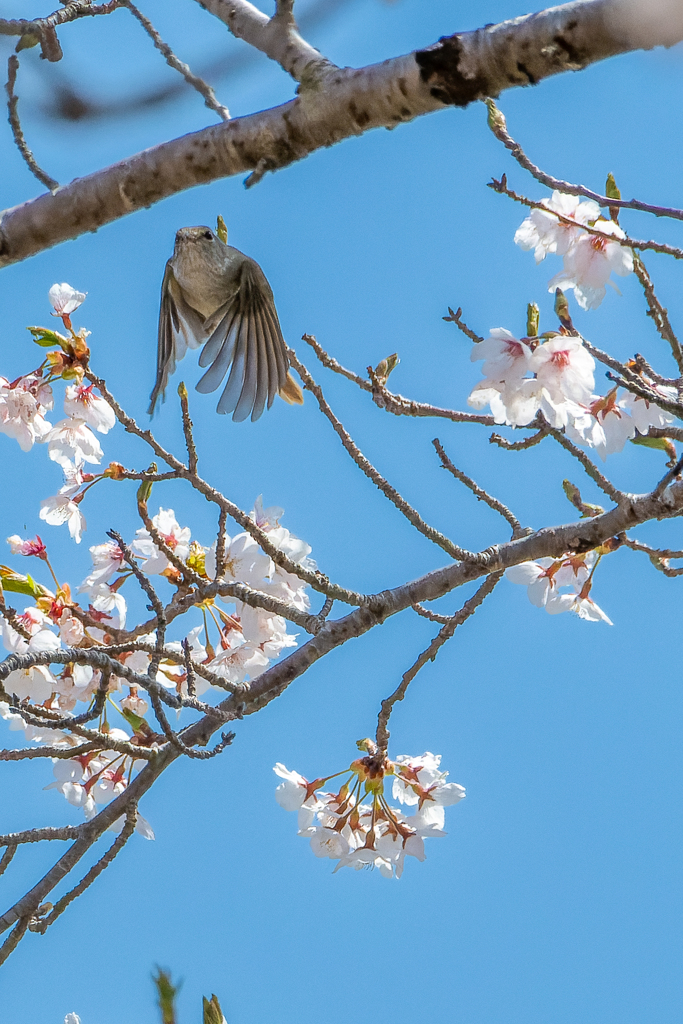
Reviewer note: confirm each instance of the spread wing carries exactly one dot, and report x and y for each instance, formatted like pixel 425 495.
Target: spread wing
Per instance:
pixel 180 327
pixel 245 338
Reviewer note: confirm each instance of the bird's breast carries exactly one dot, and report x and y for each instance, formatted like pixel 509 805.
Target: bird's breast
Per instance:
pixel 205 285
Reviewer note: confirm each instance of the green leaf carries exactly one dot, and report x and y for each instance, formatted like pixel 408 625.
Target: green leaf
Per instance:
pixel 19 584
pixel 661 443
pixel 212 1011
pixel 611 190
pixel 221 229
pixel 46 338
pixel 134 721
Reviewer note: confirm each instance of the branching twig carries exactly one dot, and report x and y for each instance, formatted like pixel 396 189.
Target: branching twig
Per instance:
pixel 17 131
pixel 478 491
pixel 456 318
pixel 498 126
pixel 178 65
pixel 627 242
pixel 42 924
pixel 657 312
pixel 444 634
pixel 373 474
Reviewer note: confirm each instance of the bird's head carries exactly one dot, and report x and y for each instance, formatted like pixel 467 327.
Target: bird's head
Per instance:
pixel 201 238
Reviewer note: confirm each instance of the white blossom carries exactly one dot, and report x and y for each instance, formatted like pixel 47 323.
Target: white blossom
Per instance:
pixel 589 263
pixel 82 403
pixel 546 234
pixel 59 509
pixel 177 538
pixel 64 299
pixel 22 407
pixel 72 441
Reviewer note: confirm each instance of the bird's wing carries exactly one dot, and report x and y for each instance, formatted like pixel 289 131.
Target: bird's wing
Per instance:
pixel 247 340
pixel 180 328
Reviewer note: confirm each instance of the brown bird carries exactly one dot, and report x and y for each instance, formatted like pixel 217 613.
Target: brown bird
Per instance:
pixel 213 295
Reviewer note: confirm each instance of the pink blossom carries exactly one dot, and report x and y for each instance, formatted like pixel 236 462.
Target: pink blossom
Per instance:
pixel 26 547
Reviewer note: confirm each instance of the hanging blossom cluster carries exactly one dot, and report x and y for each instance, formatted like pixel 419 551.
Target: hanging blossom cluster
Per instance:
pixel 589 260
pixel 561 584
pixel 356 825
pixel 234 644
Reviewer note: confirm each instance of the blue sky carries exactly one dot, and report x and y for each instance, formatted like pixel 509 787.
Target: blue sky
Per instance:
pixel 556 896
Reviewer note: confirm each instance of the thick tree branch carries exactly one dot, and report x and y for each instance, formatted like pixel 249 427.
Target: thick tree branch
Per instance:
pixel 456 71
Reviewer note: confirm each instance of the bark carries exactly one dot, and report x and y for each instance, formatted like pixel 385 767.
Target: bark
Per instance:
pixel 333 104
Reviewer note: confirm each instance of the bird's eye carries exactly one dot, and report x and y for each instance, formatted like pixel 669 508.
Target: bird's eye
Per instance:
pixel 208 234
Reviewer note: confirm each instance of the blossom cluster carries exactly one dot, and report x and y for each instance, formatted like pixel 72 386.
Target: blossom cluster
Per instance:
pixel 231 646
pixel 561 584
pixel 589 259
pixel 555 376
pixel 356 826
pixel 241 646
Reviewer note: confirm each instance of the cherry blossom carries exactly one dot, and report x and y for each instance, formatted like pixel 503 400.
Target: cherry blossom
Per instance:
pixel 176 537
pixel 107 560
pixel 565 368
pixel 589 263
pixel 546 234
pixel 23 405
pixel 64 299
pixel 646 414
pixel 82 403
pixel 605 425
pixel 506 360
pixel 72 441
pixel 59 509
pixel 547 578
pixel 26 547
pixel 341 826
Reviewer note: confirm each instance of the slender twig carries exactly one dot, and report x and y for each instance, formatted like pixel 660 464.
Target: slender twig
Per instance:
pixel 444 634
pixel 126 832
pixel 39 835
pixel 478 491
pixel 331 364
pixel 17 131
pixel 659 557
pixel 187 429
pixel 154 599
pixel 498 127
pixel 432 616
pixel 627 242
pixel 591 469
pixel 13 939
pixel 456 318
pixel 674 472
pixel 177 742
pixel 657 312
pixel 517 446
pixel 195 81
pixel 315 579
pixel 373 474
pixel 640 388
pixel 396 404
pixel 7 857
pixel 66 753
pixel 220 544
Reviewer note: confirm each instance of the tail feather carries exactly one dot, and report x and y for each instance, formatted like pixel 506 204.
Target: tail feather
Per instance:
pixel 291 392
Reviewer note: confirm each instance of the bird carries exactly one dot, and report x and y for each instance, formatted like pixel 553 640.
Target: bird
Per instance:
pixel 214 296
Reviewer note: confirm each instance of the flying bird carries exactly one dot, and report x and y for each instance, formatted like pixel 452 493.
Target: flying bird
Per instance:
pixel 213 295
